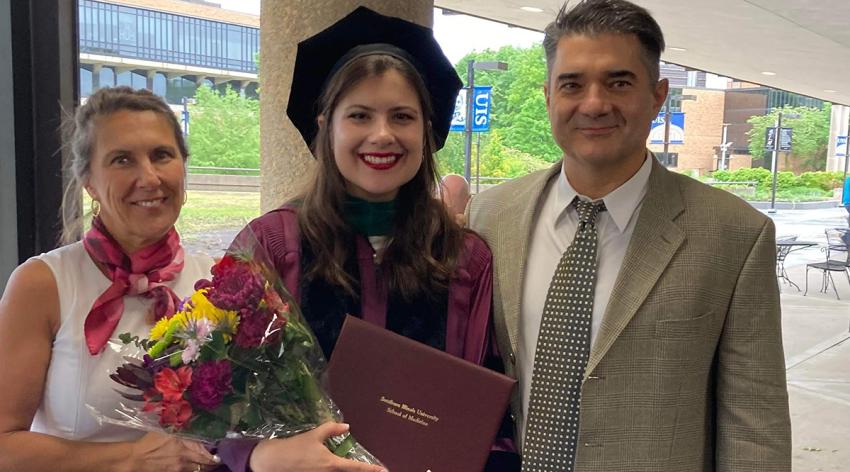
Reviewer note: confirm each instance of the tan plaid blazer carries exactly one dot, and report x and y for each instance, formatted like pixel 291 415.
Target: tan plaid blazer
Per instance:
pixel 687 372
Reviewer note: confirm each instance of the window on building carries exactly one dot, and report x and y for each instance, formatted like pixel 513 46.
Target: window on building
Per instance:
pixel 127 28
pixel 107 77
pixel 670 159
pixel 160 84
pixel 177 88
pixel 85 81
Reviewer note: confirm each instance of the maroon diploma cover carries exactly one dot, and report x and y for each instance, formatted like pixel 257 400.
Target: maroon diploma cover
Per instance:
pixel 414 407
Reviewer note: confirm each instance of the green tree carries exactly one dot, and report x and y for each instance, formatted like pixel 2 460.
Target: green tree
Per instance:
pixel 503 161
pixel 809 139
pixel 224 129
pixel 450 158
pixel 519 105
pixel 520 138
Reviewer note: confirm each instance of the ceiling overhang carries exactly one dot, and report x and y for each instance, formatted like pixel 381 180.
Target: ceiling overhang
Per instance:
pixel 805 44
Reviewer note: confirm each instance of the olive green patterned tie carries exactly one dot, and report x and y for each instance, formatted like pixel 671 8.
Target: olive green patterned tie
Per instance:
pixel 563 347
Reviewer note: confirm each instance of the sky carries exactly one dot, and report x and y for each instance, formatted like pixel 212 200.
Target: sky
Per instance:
pixel 456 34
pixel 461 34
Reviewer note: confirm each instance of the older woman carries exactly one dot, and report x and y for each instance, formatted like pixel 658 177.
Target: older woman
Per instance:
pixel 61 309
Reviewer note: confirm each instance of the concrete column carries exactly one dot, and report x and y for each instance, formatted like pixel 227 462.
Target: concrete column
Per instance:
pixel 284 157
pixel 149 76
pixel 837 127
pixel 242 85
pixel 95 77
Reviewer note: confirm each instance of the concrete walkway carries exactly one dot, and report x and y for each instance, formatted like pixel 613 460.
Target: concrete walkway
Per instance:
pixel 817 352
pixel 816 336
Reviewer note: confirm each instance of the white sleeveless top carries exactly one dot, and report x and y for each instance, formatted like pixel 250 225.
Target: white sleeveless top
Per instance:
pixel 75 378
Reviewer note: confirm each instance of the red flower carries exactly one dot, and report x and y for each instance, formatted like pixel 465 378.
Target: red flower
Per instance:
pixel 171 384
pixel 223 264
pixel 166 397
pixel 235 285
pixel 176 413
pixel 152 400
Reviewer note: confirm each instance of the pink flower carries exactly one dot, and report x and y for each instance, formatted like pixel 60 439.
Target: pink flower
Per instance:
pixel 235 285
pixel 191 351
pixel 210 383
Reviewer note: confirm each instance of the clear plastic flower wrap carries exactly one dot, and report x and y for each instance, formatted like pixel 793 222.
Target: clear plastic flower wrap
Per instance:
pixel 237 360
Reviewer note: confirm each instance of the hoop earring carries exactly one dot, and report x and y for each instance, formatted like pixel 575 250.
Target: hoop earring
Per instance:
pixel 185 197
pixel 95 208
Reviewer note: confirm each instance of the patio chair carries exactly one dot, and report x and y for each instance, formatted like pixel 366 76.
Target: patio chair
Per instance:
pixel 837 260
pixel 781 253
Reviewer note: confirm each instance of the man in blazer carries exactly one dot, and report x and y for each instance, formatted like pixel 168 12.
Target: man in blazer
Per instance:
pixel 686 369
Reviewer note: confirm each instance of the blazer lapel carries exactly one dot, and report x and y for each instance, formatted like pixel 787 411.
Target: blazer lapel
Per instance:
pixel 515 223
pixel 654 242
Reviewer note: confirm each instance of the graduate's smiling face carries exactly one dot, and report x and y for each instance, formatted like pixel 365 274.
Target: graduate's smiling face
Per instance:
pixel 377 133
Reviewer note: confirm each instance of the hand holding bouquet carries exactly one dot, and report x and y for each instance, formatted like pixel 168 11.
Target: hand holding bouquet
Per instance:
pixel 235 360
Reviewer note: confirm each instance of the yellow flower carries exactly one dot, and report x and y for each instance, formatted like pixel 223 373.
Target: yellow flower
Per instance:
pixel 159 329
pixel 201 308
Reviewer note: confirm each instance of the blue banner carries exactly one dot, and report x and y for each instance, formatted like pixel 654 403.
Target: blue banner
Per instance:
pixel 480 110
pixel 677 129
pixel 840 146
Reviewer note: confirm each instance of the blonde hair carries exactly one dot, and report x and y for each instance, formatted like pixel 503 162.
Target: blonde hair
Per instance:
pixel 78 136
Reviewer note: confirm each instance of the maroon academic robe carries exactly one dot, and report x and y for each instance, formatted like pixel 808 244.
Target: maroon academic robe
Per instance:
pixel 469 297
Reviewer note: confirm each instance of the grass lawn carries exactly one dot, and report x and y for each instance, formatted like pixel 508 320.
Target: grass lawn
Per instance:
pixel 211 211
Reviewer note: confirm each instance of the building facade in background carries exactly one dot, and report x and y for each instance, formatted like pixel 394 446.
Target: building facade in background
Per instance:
pixel 169 47
pixel 708 111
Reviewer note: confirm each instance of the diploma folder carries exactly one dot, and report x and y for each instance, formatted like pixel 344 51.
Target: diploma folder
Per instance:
pixel 416 408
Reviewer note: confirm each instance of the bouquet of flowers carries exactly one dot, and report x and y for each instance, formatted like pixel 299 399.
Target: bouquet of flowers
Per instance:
pixel 237 359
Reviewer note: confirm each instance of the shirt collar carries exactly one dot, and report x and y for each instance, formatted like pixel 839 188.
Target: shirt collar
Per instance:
pixel 620 203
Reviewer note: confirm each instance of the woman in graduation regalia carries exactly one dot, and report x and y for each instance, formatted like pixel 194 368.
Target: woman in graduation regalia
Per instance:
pixel 373 97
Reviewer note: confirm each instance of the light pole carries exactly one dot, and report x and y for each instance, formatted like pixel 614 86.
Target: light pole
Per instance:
pixel 724 147
pixel 844 188
pixel 186 102
pixel 471 67
pixel 667 120
pixel 777 137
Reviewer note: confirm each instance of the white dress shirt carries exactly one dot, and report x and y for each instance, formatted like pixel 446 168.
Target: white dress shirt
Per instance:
pixel 551 235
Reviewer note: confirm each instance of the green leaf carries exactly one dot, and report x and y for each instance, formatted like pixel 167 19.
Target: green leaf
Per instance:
pixel 208 425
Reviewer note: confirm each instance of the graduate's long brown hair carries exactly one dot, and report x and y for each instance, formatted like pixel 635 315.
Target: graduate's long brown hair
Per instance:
pixel 425 240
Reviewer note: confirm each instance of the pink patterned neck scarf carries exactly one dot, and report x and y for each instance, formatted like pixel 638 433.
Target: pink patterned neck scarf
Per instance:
pixel 142 273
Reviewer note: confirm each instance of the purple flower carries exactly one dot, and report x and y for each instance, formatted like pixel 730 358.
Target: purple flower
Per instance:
pixel 185 301
pixel 235 285
pixel 210 383
pixel 252 327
